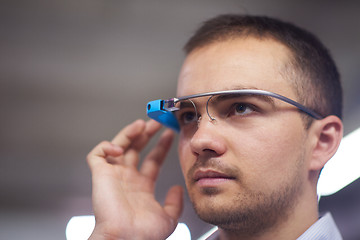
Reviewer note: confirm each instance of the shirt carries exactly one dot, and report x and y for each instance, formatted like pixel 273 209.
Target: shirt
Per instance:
pixel 323 229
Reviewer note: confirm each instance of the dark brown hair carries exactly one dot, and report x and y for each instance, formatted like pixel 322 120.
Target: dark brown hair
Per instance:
pixel 311 69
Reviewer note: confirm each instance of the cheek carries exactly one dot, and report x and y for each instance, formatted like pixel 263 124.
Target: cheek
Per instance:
pixel 268 155
pixel 185 155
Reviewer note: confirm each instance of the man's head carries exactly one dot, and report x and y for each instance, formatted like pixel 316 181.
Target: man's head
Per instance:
pixel 250 170
pixel 310 68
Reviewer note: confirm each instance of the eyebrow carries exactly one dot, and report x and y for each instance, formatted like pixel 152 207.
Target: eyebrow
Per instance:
pixel 218 98
pixel 224 96
pixel 186 104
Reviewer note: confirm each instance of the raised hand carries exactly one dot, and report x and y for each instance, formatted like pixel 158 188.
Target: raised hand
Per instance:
pixel 123 194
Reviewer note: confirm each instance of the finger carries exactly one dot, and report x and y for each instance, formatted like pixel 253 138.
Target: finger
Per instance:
pixel 151 128
pixel 153 161
pixel 131 157
pixel 174 202
pixel 102 151
pixel 126 136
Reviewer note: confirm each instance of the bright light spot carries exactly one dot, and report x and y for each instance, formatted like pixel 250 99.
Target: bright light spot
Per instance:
pixel 343 168
pixel 181 232
pixel 208 234
pixel 81 227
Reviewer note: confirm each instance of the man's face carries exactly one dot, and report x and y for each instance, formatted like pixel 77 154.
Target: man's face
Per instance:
pixel 247 175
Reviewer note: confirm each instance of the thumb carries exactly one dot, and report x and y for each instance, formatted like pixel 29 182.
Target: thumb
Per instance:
pixel 174 202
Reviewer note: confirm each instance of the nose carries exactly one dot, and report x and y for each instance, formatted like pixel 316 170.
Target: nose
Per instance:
pixel 208 139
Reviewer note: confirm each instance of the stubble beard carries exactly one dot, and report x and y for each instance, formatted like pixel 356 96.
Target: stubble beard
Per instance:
pixel 251 212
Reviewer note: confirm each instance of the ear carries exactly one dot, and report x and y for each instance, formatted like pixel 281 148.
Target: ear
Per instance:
pixel 326 135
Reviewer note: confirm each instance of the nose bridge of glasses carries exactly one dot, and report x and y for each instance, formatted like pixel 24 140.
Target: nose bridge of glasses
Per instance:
pixel 200 105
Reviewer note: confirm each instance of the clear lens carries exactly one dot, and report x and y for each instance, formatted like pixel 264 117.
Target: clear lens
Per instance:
pixel 231 105
pixel 186 113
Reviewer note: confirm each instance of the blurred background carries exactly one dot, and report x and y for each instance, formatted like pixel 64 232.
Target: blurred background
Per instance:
pixel 73 73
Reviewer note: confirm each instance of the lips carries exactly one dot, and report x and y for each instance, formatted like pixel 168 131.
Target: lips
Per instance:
pixel 210 174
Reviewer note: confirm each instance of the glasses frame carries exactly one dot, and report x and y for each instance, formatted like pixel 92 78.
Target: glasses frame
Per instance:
pixel 162 110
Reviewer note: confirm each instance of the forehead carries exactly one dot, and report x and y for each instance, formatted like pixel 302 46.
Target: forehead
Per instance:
pixel 236 63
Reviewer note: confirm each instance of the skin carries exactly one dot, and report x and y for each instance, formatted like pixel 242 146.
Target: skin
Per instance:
pixel 123 195
pixel 266 184
pixel 271 160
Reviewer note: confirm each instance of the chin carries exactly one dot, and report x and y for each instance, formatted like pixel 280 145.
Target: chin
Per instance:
pixel 247 211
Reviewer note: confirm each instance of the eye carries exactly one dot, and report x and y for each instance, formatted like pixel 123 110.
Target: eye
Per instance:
pixel 241 109
pixel 187 117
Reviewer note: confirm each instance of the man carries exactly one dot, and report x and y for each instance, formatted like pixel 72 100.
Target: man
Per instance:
pixel 251 159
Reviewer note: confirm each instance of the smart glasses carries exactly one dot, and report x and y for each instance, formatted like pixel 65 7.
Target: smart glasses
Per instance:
pixel 230 105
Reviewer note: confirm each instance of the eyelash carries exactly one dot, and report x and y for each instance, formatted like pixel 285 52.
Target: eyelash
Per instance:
pixel 183 116
pixel 232 110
